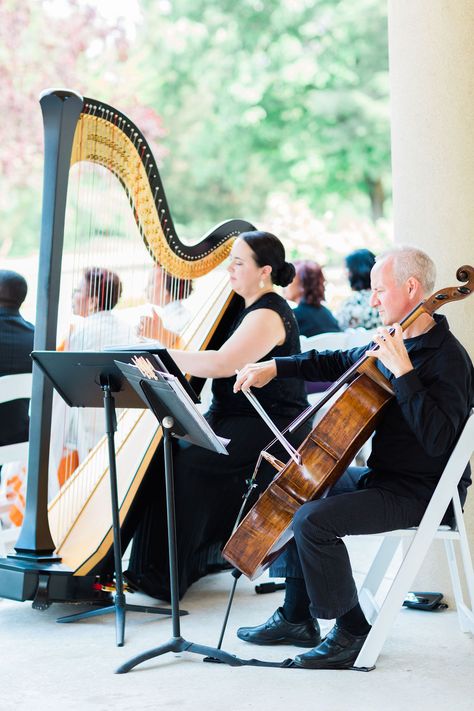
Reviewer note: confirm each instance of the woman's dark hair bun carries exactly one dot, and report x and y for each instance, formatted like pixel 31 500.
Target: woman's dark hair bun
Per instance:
pixel 285 274
pixel 268 250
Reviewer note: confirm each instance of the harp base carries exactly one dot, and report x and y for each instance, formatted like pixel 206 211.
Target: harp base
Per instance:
pixel 29 579
pixel 35 558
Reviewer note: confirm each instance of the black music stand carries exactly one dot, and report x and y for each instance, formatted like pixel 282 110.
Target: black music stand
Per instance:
pixel 91 379
pixel 180 418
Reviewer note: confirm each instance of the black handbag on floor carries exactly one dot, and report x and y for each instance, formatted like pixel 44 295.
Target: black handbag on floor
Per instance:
pixel 429 601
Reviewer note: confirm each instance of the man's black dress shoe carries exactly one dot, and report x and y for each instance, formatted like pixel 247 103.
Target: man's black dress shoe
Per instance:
pixel 277 630
pixel 338 650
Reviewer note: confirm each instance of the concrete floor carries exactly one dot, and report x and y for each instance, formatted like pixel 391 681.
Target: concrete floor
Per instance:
pixel 427 663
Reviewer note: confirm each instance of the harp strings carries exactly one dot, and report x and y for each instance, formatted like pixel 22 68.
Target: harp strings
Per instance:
pixel 101 240
pixel 101 232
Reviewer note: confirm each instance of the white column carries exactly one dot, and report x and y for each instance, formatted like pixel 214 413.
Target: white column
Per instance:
pixel 432 105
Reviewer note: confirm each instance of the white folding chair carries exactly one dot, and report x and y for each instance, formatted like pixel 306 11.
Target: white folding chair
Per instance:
pixel 382 617
pixel 356 337
pixel 12 387
pixel 324 342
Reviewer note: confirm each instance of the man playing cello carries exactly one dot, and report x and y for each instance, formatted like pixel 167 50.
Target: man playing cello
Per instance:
pixel 433 381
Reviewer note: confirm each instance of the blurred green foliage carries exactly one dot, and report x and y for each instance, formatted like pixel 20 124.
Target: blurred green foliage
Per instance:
pixel 263 96
pixel 249 99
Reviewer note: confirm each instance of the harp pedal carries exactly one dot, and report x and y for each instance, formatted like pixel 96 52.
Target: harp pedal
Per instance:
pixel 41 600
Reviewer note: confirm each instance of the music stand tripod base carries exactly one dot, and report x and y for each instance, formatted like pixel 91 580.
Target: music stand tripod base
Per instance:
pixel 179 644
pixel 176 643
pixel 104 610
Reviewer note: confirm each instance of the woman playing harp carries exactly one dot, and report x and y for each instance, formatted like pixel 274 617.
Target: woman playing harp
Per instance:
pixel 209 487
pixel 77 431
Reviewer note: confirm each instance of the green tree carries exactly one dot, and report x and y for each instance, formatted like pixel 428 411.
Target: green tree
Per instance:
pixel 287 95
pixel 256 98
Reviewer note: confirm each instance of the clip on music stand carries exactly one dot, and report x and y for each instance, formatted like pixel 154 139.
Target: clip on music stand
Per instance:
pixel 88 379
pixel 180 418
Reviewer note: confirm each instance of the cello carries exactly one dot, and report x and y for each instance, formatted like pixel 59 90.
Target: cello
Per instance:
pixel 326 452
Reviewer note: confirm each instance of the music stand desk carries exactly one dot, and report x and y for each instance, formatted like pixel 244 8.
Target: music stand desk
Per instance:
pixel 92 379
pixel 180 418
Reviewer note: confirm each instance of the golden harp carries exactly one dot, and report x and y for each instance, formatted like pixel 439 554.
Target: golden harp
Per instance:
pixel 59 555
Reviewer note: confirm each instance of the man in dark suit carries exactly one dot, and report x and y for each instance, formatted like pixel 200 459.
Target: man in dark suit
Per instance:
pixel 16 344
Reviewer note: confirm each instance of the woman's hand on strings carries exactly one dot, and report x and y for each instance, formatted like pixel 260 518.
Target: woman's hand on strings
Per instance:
pixel 151 326
pixel 391 351
pixel 255 375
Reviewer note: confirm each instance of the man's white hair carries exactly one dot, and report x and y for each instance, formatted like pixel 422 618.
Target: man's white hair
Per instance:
pixel 411 262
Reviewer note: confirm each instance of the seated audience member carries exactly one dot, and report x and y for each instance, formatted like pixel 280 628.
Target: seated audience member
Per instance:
pixel 307 290
pixel 167 293
pixel 94 299
pixel 356 311
pixel 16 344
pixel 75 431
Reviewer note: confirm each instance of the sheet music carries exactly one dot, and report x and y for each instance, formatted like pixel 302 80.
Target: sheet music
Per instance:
pixel 186 400
pixel 160 359
pixel 190 424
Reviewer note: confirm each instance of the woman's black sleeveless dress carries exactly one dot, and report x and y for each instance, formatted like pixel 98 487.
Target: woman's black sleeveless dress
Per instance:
pixel 209 487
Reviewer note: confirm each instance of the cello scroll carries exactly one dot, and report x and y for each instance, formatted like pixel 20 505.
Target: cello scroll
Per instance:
pixel 454 293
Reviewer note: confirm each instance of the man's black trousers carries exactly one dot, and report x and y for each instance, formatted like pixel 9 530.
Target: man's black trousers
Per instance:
pixel 317 552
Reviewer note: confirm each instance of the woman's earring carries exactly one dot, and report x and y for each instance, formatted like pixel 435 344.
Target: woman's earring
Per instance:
pixel 261 283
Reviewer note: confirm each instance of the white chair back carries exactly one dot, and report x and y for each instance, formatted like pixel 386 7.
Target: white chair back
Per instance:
pixel 324 342
pixel 357 337
pixel 339 341
pixel 12 387
pixel 421 537
pixel 15 387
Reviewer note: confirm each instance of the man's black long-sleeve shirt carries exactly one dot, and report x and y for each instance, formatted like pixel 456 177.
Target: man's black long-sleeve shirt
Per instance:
pixel 419 427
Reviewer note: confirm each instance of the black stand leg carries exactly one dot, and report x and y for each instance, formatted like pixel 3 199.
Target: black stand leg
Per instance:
pixel 176 643
pixel 119 605
pixel 251 485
